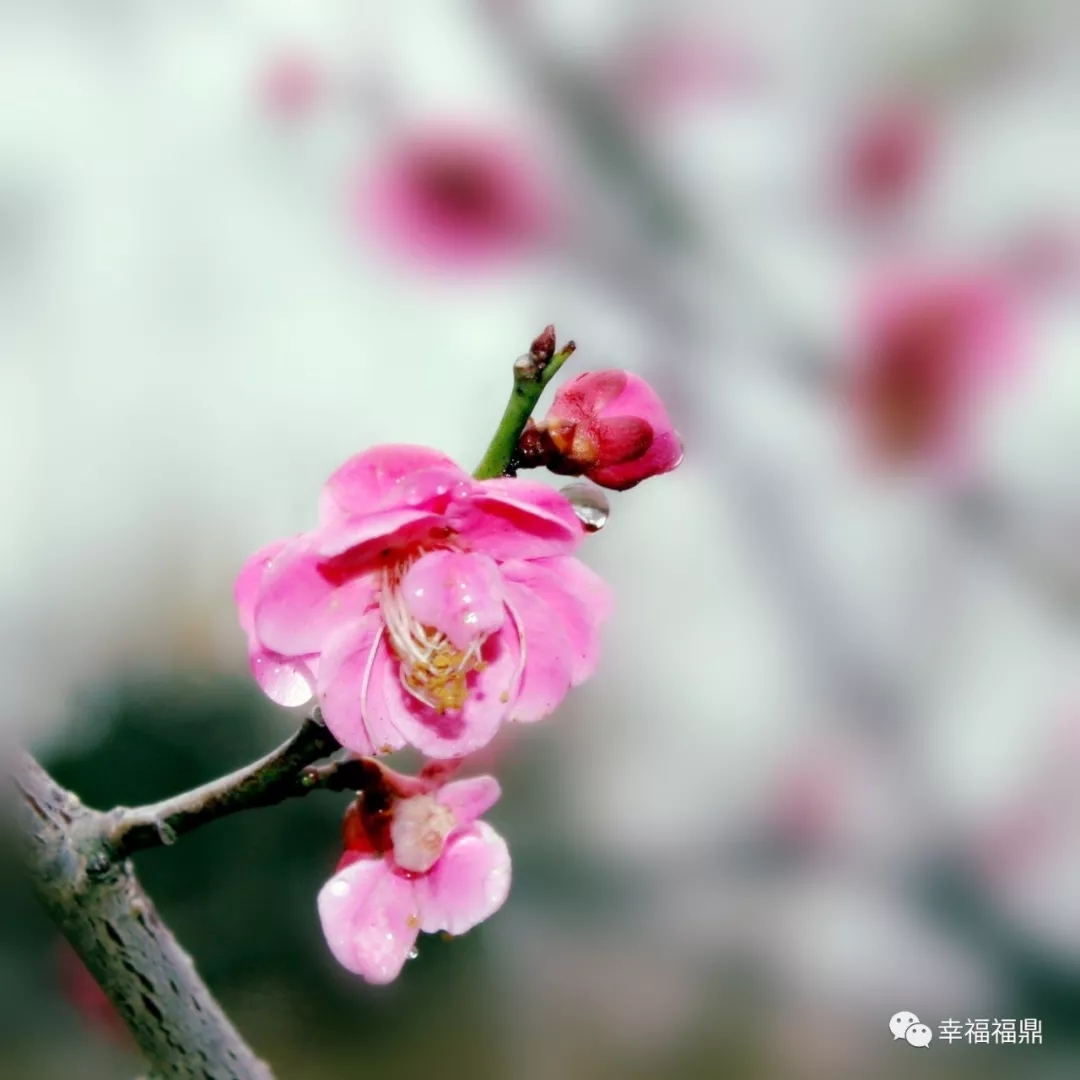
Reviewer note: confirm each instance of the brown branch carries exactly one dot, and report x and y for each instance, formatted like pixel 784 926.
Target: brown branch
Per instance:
pixel 103 912
pixel 78 862
pixel 284 773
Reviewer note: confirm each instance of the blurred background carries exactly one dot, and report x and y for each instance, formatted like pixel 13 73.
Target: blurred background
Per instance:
pixel 827 769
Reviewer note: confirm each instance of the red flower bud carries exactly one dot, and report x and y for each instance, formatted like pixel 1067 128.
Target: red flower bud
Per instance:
pixel 611 427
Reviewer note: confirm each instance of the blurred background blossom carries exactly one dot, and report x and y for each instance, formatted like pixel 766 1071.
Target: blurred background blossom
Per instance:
pixel 824 772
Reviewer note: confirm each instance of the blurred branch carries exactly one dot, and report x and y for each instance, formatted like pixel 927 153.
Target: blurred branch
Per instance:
pixel 285 773
pixel 103 912
pixel 532 373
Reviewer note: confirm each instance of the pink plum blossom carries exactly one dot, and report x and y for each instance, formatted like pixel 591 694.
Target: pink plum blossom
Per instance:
pixel 609 426
pixel 427 607
pixel 417 858
pixel 454 199
pixel 929 345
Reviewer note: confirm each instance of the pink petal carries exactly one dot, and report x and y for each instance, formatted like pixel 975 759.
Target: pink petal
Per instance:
pixel 297 607
pixel 578 597
pixel 288 682
pixel 352 546
pixel 388 477
pixel 589 393
pixel 622 438
pixel 665 454
pixel 457 593
pixel 370 919
pixel 248 581
pixel 352 681
pixel 548 660
pixel 515 519
pixel 457 733
pixel 640 400
pixel 468 884
pixel 470 798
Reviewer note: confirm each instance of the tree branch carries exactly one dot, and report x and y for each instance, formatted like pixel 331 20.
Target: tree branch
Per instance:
pixel 285 773
pixel 103 912
pixel 532 373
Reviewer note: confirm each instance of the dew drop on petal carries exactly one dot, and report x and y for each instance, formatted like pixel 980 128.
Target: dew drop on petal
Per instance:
pixel 413 953
pixel 590 504
pixel 339 888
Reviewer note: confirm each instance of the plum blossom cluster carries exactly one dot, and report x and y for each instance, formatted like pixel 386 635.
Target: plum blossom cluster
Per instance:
pixel 426 609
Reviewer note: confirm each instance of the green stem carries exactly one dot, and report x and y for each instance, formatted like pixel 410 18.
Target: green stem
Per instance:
pixel 530 380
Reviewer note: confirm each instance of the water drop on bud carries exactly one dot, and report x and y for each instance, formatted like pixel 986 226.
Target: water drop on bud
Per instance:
pixel 590 504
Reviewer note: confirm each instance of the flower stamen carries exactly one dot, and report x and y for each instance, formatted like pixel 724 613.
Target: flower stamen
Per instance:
pixel 431 667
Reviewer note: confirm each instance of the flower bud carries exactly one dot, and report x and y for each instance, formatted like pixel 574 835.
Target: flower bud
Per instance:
pixel 609 426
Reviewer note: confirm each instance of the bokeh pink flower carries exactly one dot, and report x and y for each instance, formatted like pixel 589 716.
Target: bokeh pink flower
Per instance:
pixel 609 426
pixel 454 199
pixel 427 607
pixel 885 156
pixel 291 85
pixel 929 347
pixel 417 859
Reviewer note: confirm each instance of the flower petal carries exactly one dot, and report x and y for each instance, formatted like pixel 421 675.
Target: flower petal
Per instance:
pixel 458 593
pixel 456 733
pixel 389 477
pixel 515 519
pixel 353 546
pixel 288 682
pixel 352 681
pixel 370 918
pixel 297 606
pixel 578 597
pixel 248 581
pixel 470 798
pixel 547 659
pixel 622 438
pixel 665 454
pixel 588 393
pixel 468 884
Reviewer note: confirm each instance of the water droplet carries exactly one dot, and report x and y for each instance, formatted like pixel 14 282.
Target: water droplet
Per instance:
pixel 413 953
pixel 590 504
pixel 339 888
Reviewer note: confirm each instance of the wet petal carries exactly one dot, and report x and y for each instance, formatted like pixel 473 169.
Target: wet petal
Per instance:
pixel 249 580
pixel 457 593
pixel 468 884
pixel 297 607
pixel 370 918
pixel 515 519
pixel 352 680
pixel 389 477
